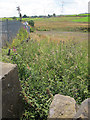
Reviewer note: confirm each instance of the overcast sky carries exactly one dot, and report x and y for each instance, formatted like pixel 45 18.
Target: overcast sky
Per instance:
pixel 42 7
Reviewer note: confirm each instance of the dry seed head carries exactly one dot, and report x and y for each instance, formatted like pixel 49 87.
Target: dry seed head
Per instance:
pixel 48 91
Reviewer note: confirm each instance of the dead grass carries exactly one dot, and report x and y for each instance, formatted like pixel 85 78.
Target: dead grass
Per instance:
pixel 57 25
pixel 56 36
pixel 60 29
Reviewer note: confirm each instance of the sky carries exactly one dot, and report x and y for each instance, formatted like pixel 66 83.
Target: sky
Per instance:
pixel 42 7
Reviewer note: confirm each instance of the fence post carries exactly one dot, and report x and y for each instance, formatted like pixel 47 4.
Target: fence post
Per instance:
pixel 7 30
pixel 0 70
pixel 0 34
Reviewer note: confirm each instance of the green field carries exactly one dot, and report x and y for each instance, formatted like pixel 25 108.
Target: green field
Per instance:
pixel 76 18
pixel 83 19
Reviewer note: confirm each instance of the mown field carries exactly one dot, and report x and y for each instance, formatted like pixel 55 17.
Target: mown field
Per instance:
pixel 83 19
pixel 53 61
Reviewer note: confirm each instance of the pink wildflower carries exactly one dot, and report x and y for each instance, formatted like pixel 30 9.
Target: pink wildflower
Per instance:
pixel 14 50
pixel 28 67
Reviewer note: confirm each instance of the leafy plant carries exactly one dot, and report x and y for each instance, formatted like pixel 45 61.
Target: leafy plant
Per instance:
pixel 32 29
pixel 31 22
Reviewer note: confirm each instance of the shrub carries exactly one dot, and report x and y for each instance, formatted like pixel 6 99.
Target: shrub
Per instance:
pixel 31 22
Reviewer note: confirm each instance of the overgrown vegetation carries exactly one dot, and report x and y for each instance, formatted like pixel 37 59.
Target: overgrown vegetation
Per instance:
pixel 48 67
pixel 20 38
pixel 50 64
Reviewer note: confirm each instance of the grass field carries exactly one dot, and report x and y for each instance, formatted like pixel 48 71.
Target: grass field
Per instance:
pixel 60 18
pixel 53 61
pixel 60 25
pixel 83 19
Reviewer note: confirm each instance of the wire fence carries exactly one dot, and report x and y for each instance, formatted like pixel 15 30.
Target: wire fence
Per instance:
pixel 0 35
pixel 8 31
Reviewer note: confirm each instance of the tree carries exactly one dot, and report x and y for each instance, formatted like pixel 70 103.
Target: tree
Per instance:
pixel 14 18
pixel 20 15
pixel 18 9
pixel 54 15
pixel 49 15
pixel 31 22
pixel 25 16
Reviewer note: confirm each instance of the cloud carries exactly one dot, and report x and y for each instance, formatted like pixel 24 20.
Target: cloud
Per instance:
pixel 74 6
pixel 42 7
pixel 7 9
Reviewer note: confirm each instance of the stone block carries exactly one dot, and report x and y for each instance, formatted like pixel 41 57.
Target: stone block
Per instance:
pixel 83 111
pixel 11 100
pixel 62 107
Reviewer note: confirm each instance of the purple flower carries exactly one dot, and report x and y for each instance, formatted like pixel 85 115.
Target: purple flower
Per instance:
pixel 14 50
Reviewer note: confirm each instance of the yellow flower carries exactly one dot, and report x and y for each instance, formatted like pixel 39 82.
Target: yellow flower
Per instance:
pixel 13 41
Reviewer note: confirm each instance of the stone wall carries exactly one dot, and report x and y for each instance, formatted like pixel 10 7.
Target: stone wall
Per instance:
pixel 65 108
pixel 11 100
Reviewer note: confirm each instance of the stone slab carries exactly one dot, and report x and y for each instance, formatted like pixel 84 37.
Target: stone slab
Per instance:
pixel 11 100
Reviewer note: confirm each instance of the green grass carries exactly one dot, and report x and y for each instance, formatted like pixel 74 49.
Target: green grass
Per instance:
pixel 7 18
pixel 61 18
pixel 83 15
pixel 66 18
pixel 83 19
pixel 47 68
pixel 34 19
pixel 58 19
pixel 77 15
pixel 23 19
